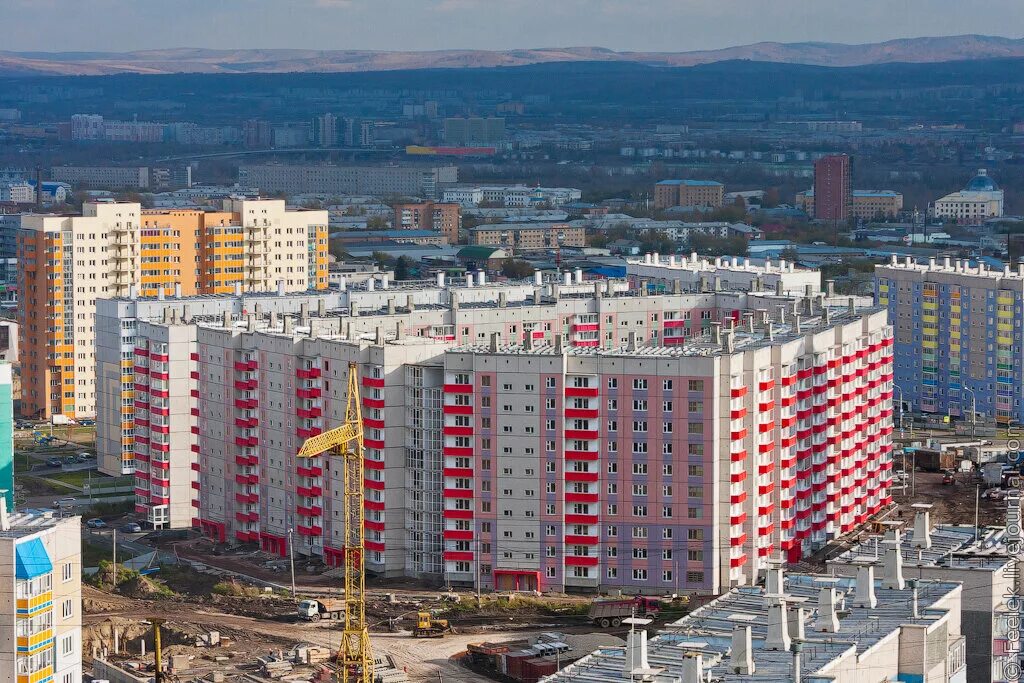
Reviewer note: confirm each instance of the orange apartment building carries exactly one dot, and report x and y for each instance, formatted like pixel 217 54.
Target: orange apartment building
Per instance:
pixel 669 193
pixel 443 217
pixel 117 249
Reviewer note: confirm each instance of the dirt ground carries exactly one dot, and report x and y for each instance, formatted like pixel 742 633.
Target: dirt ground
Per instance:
pixel 951 504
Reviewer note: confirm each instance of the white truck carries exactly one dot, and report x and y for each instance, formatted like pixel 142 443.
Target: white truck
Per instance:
pixel 315 610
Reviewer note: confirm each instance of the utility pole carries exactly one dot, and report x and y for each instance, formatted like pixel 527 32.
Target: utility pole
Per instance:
pixel 114 563
pixel 291 561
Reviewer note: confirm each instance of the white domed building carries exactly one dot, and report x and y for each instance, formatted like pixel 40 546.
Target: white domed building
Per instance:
pixel 979 200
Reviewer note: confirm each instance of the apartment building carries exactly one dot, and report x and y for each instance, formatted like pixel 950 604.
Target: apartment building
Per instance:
pixel 115 249
pixel 41 579
pixel 696 272
pixel 6 436
pixel 442 217
pixel 865 204
pixel 382 181
pixel 832 188
pixel 669 193
pixel 958 336
pixel 103 177
pixel 512 196
pixel 800 628
pixel 496 418
pixel 981 560
pixel 527 236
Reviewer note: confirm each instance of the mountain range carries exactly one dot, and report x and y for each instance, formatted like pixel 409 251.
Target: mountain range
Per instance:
pixel 202 60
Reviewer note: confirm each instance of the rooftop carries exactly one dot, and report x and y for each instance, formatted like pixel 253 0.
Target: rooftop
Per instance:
pixel 691 183
pixel 950 266
pixel 710 629
pixel 951 546
pixel 28 522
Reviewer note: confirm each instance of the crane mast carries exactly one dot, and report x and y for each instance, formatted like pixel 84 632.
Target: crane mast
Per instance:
pixel 346 444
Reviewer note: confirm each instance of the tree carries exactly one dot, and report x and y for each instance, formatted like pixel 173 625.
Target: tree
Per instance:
pixel 376 223
pixel 382 259
pixel 402 268
pixel 515 270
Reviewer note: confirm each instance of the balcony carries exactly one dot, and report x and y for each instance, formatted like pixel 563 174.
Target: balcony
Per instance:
pixel 303 433
pixel 310 471
pixel 311 392
pixel 247 498
pixel 245 365
pixel 308 373
pixel 246 422
pixel 246 403
pixel 310 530
pixel 247 441
pixel 309 511
pixel 246 384
pixel 309 491
pixel 309 413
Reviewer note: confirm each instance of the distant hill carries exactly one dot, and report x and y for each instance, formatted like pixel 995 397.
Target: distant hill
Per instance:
pixel 199 60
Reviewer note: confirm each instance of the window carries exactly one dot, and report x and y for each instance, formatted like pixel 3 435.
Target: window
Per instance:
pixel 613 572
pixel 666 406
pixel 549 530
pixel 612 551
pixel 694 577
pixel 695 555
pixel 639 489
pixel 67 609
pixel 666 575
pixel 694 513
pixel 550 487
pixel 613 489
pixel 613 467
pixel 613 382
pixel 613 404
pixel 666 470
pixel 695 406
pixel 639 574
pixel 695 428
pixel 549 382
pixel 695 534
pixel 67 644
pixel 639 468
pixel 639 532
pixel 666 511
pixel 666 554
pixel 549 403
pixel 639 553
pixel 613 509
pixel 639 384
pixel 695 470
pixel 666 533
pixel 612 531
pixel 550 508
pixel 639 404
pixel 68 572
pixel 640 426
pixel 549 466
pixel 695 385
pixel 549 551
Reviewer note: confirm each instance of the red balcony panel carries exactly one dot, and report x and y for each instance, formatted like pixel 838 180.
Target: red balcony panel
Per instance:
pixel 581 497
pixel 458 388
pixel 586 327
pixel 247 422
pixel 374 382
pixel 310 530
pixel 458 535
pixel 581 455
pixel 309 491
pixel 309 510
pixel 308 373
pixel 581 519
pixel 315 392
pixel 738 519
pixel 739 456
pixel 309 413
pixel 575 561
pixel 194 467
pixel 674 323
pixel 368 402
pixel 766 489
pixel 139 370
pixel 765 447
pixel 582 476
pixel 373 484
pixel 373 464
pixel 374 545
pixel 449 430
pixel 738 540
pixel 372 423
pixel 373 443
pixel 246 498
pixel 738 392
pixel 246 460
pixel 142 352
pixel 737 498
pixel 159 375
pixel 161 447
pixel 375 505
pixel 458 493
pixel 375 526
pixel 581 540
pixel 458 472
pixel 246 384
pixel 788 381
pixel 737 477
pixel 581 392
pixel 457 514
pixel 310 471
pixel 141 388
pixel 194 448
pixel 739 434
pixel 246 441
pixel 766 386
pixel 456 450
pixel 582 434
pixel 585 413
pixel 457 410
pixel 458 555
pixel 244 403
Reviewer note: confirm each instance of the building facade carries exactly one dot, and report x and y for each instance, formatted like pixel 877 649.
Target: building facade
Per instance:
pixel 6 435
pixel 980 200
pixel 704 274
pixel 705 193
pixel 41 576
pixel 417 181
pixel 865 204
pixel 532 437
pixel 958 336
pixel 442 217
pixel 115 249
pixel 833 197
pixel 527 236
pixel 102 177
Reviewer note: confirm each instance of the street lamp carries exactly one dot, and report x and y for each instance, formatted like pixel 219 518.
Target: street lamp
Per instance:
pixel 974 411
pixel 898 388
pixel 291 559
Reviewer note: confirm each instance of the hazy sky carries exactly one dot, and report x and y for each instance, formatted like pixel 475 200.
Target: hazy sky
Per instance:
pixel 671 25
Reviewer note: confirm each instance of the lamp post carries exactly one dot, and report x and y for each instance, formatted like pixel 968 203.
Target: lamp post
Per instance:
pixel 974 411
pixel 291 559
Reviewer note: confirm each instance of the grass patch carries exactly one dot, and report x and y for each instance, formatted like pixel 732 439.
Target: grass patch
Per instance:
pixel 502 605
pixel 93 554
pixel 110 509
pixel 236 590
pixel 22 463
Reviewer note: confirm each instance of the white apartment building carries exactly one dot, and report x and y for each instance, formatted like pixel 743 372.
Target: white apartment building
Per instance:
pixel 723 273
pixel 512 196
pixel 980 200
pixel 472 475
pixel 41 607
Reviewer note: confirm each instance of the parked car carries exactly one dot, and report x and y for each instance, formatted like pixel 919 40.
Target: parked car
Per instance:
pixel 65 503
pixel 96 523
pixel 54 462
pixel 87 423
pixel 23 424
pixel 130 528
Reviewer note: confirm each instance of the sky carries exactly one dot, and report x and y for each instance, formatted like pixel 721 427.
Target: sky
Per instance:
pixel 654 25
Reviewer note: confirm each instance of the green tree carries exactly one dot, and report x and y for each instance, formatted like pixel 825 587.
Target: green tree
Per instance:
pixel 376 223
pixel 515 270
pixel 402 268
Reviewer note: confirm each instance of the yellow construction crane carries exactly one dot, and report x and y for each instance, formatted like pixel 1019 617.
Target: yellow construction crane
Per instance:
pixel 346 442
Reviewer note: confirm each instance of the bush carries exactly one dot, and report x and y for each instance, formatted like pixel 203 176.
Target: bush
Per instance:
pixel 236 590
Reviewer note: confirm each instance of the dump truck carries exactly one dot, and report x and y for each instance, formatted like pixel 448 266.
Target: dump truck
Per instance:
pixel 315 610
pixel 610 612
pixel 428 627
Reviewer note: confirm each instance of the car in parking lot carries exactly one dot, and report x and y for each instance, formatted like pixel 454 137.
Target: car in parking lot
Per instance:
pixel 54 462
pixel 130 528
pixel 65 503
pixel 87 423
pixel 96 523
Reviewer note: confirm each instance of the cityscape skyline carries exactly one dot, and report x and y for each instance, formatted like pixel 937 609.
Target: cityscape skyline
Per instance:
pixel 657 25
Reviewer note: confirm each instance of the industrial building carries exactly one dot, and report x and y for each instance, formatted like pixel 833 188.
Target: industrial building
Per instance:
pixel 528 236
pixel 530 436
pixel 706 193
pixel 958 335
